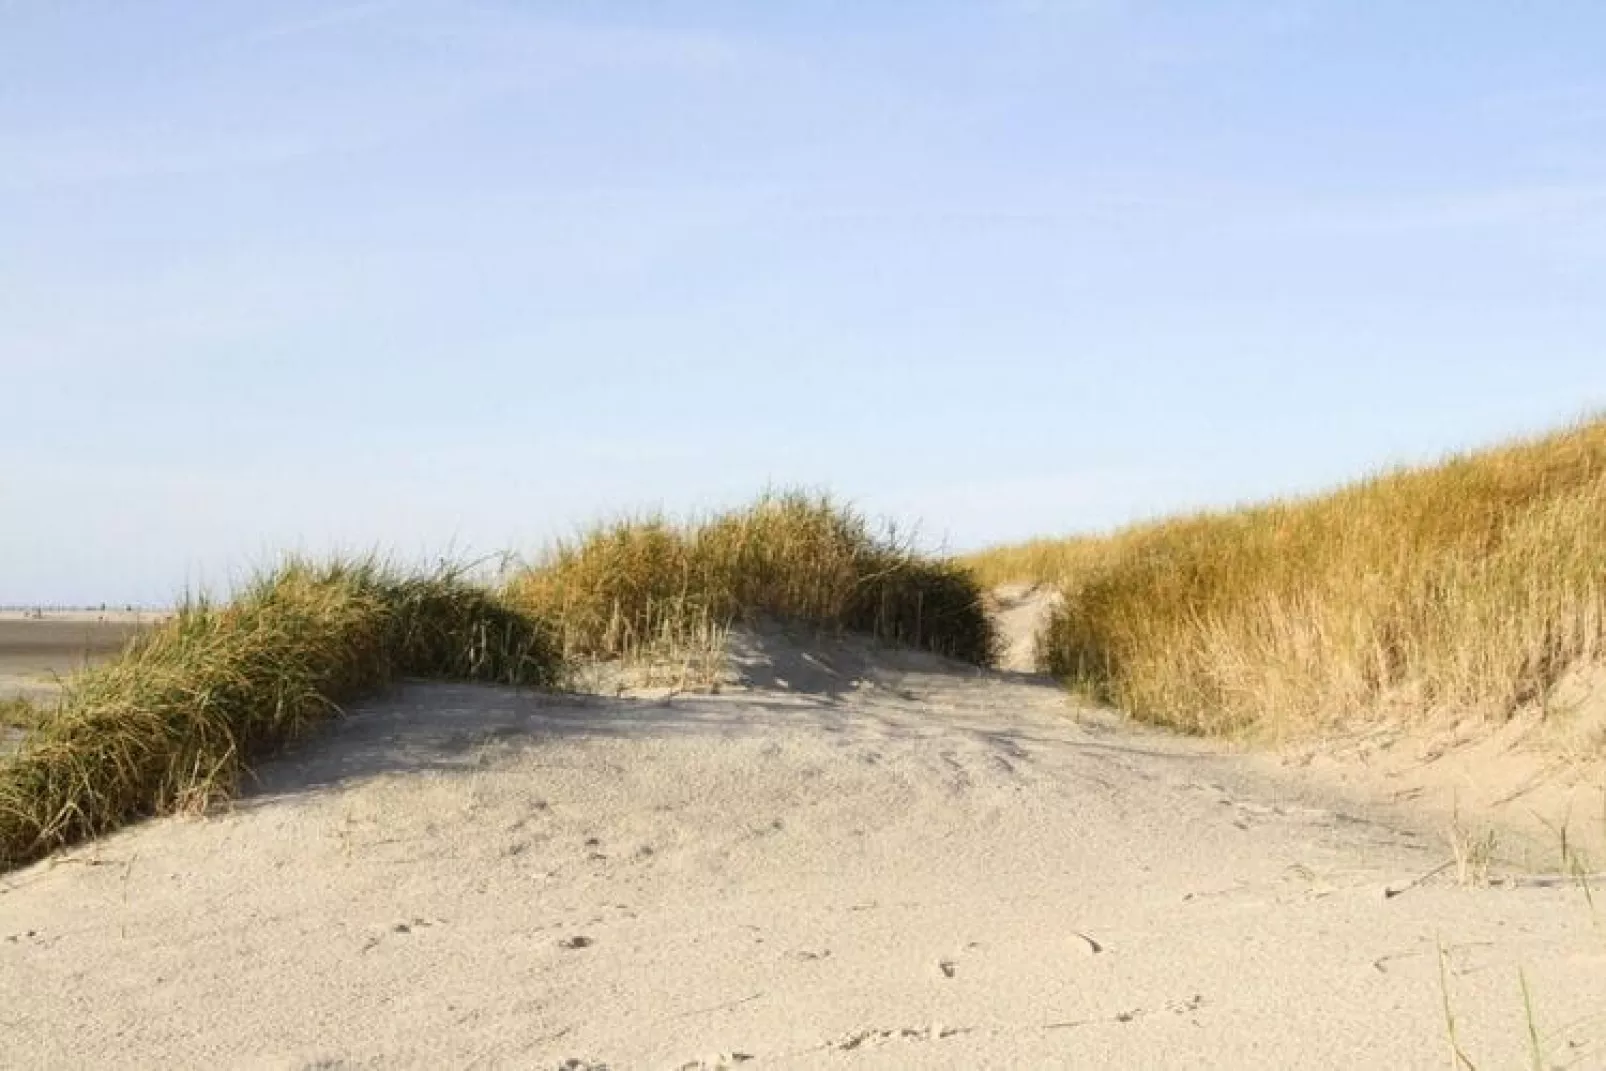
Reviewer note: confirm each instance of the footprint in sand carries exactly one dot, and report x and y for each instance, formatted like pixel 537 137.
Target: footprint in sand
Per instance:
pixel 862 1038
pixel 723 1062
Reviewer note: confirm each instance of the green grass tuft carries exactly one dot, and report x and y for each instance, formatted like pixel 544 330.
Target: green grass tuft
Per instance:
pixel 173 723
pixel 21 714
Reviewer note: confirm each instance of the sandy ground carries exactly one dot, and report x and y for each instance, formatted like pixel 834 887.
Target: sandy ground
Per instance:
pixel 1020 610
pixel 1534 783
pixel 860 859
pixel 36 651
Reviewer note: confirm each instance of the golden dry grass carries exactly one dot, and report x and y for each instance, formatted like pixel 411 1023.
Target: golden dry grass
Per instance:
pixel 19 713
pixel 1473 584
pixel 634 585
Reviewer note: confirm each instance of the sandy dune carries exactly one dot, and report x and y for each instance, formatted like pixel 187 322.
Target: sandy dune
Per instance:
pixel 862 860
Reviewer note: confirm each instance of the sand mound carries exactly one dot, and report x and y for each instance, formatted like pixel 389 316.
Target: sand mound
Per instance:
pixel 859 858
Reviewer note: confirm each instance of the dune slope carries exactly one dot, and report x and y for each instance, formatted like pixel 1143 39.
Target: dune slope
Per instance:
pixel 855 858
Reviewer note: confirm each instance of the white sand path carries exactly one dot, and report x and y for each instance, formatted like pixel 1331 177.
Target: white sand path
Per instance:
pixel 867 860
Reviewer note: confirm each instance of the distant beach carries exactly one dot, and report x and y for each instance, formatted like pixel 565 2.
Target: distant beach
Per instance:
pixel 37 648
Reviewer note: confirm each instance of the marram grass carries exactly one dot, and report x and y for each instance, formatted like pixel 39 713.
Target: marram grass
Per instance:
pixel 792 556
pixel 20 714
pixel 1473 585
pixel 172 724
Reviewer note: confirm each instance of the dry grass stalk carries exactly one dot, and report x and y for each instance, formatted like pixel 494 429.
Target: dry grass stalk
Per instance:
pixel 1474 855
pixel 639 587
pixel 1474 584
pixel 21 714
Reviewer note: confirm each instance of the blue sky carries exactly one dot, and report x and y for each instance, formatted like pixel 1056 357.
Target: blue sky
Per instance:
pixel 458 276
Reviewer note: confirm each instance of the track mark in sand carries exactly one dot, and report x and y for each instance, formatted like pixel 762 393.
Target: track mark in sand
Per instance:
pixel 860 1038
pixel 397 929
pixel 722 1062
pixel 960 782
pixel 720 1007
pixel 1088 945
pixel 1390 892
pixel 1380 964
pixel 1175 1007
pixel 948 968
pixel 1007 744
pixel 1238 888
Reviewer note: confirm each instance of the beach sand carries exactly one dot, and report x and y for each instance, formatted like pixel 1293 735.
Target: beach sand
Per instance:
pixel 852 858
pixel 36 651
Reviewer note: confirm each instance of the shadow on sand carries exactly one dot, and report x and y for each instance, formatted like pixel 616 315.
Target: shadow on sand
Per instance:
pixel 844 687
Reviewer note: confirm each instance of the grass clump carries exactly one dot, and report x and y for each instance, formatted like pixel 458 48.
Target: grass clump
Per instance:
pixel 173 723
pixel 1474 584
pixel 20 714
pixel 631 586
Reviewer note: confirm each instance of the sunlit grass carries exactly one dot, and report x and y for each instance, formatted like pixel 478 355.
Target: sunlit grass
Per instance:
pixel 1474 584
pixel 21 714
pixel 175 721
pixel 639 583
pixel 172 723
